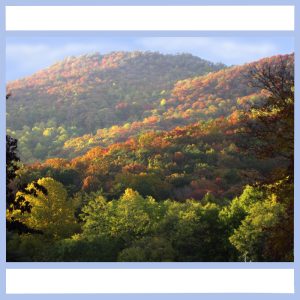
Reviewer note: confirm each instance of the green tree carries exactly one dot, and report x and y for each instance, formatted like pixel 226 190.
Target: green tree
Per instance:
pixel 127 218
pixel 250 238
pixel 239 208
pixel 258 222
pixel 195 231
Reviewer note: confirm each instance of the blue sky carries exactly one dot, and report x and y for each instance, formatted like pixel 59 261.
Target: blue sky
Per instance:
pixel 26 55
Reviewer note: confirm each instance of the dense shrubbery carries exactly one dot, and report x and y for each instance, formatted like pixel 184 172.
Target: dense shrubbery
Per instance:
pixel 136 228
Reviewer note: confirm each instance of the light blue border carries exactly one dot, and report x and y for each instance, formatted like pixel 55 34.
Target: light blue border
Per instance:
pixel 148 265
pixel 2 149
pixel 148 2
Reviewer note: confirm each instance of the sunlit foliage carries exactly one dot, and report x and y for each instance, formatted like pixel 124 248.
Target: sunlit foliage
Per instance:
pixel 149 157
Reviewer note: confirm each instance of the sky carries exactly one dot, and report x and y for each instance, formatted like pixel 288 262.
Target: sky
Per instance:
pixel 26 55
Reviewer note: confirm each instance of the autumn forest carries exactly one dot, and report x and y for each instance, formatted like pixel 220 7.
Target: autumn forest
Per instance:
pixel 149 157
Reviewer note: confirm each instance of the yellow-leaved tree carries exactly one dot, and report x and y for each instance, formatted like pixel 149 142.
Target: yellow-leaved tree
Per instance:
pixel 50 211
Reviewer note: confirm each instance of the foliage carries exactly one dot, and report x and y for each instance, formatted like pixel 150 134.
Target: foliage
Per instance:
pixel 49 209
pixel 173 159
pixel 130 217
pixel 270 127
pixel 263 230
pixel 12 166
pixel 49 107
pixel 150 249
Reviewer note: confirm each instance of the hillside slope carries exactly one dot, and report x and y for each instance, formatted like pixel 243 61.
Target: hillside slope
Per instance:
pixel 95 100
pixel 218 94
pixel 79 89
pixel 82 94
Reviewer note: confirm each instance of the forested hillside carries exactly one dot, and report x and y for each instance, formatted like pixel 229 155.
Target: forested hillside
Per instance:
pixel 150 157
pixel 80 95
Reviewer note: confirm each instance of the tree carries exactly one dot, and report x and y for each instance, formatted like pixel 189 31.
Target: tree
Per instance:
pixel 146 184
pixel 195 231
pixel 269 130
pixel 127 218
pixel 268 229
pixel 259 223
pixel 12 166
pixel 49 212
pixel 254 238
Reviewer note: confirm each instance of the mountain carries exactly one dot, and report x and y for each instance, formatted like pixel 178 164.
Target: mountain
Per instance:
pixel 150 157
pixel 94 100
pixel 217 94
pixel 94 86
pixel 184 144
pixel 82 94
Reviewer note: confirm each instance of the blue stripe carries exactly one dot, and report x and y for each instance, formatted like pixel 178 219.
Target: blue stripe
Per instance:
pixel 148 2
